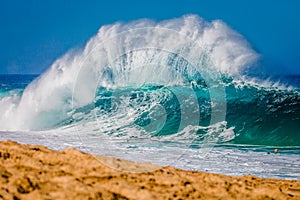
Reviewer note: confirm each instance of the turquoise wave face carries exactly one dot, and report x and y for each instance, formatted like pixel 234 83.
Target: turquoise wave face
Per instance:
pixel 264 116
pixel 256 115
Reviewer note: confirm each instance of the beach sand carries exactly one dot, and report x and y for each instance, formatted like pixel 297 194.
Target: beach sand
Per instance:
pixel 36 172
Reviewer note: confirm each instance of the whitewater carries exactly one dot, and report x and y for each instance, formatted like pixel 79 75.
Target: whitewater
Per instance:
pixel 174 92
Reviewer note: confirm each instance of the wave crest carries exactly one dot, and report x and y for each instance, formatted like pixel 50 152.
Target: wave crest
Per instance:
pixel 127 53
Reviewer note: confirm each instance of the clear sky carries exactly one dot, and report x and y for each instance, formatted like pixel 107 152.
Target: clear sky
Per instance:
pixel 34 33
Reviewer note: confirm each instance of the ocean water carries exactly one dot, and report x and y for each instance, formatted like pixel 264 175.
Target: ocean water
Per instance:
pixel 176 92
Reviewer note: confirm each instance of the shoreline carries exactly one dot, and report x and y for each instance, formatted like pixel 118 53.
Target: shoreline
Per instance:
pixel 36 172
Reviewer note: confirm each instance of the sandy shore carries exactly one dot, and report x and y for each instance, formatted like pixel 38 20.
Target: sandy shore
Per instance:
pixel 36 172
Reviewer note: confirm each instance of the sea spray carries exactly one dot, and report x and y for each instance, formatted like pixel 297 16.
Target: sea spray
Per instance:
pixel 49 99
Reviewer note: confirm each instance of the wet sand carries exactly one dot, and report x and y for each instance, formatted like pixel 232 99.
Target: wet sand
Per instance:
pixel 36 172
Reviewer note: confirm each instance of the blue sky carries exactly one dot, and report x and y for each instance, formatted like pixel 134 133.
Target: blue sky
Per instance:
pixel 35 33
